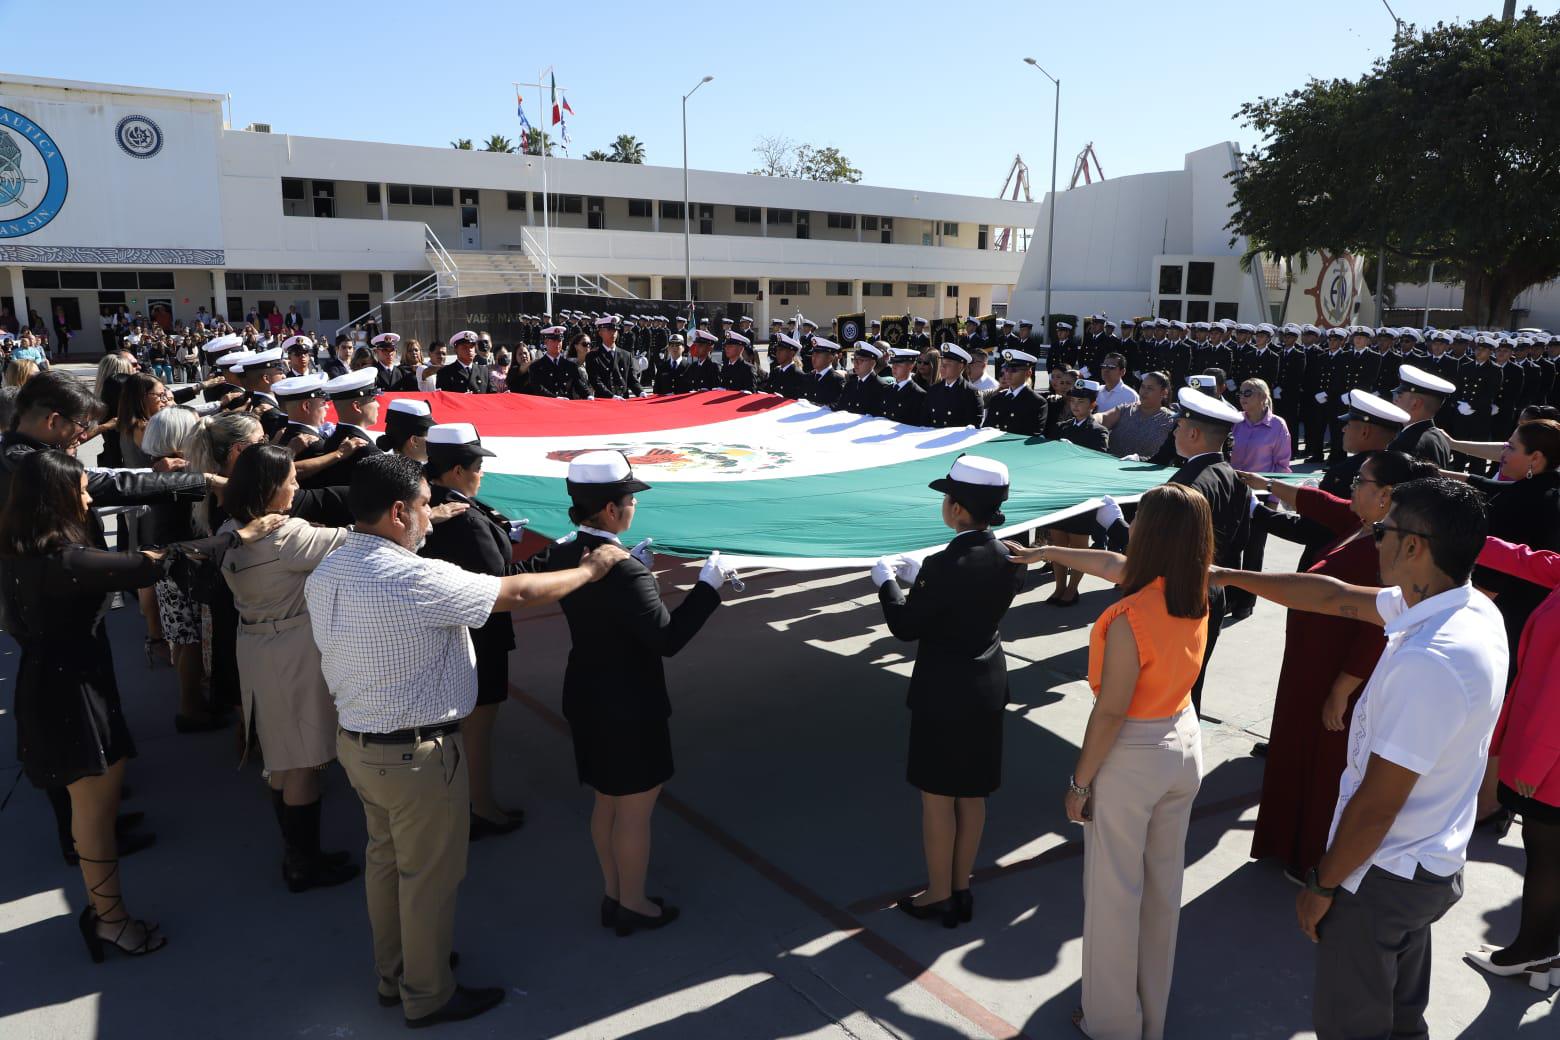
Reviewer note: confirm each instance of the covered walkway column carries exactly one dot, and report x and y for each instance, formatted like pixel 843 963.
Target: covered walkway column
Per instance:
pixel 18 297
pixel 657 287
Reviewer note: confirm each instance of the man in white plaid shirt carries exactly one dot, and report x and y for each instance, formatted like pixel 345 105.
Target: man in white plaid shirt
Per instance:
pixel 395 649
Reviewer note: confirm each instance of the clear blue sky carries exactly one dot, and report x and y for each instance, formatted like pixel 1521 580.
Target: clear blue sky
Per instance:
pixel 918 94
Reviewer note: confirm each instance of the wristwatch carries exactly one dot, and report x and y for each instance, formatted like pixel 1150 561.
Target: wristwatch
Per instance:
pixel 1081 792
pixel 1314 885
pixel 1270 485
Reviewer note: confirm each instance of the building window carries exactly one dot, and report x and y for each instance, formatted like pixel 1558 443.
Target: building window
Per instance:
pixel 843 221
pixel 325 283
pixel 119 280
pixel 744 287
pixel 1199 279
pixel 950 229
pixel 749 215
pixel 32 279
pixel 918 290
pixel 1170 281
pixel 573 204
pixel 782 216
pixel 357 304
pixel 951 291
pixel 292 188
pixel 404 281
pixel 671 210
pixel 330 309
pixel 284 283
pixel 400 194
pixel 639 208
pixel 78 279
pixel 789 288
pixel 156 279
pixel 869 223
pixel 233 281
pixel 376 282
pixel 1170 308
pixel 1226 310
pixel 1196 310
pixel 468 196
pixel 444 196
pixel 372 191
pixel 838 289
pixel 877 288
pixel 514 201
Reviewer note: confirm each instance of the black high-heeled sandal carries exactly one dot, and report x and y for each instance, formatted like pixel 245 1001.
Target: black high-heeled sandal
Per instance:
pixel 151 940
pixel 944 910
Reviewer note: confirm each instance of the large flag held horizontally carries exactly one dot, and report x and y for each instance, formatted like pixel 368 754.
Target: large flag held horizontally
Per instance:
pixel 768 481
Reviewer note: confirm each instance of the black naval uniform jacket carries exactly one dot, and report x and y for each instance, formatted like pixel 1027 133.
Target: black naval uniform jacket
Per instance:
pixel 385 376
pixel 548 378
pixel 476 540
pixel 954 610
pixel 610 372
pixel 1478 384
pixel 698 375
pixel 1227 496
pixel 789 381
pixel 1351 369
pixel 738 375
pixel 667 376
pixel 292 431
pixel 905 403
pixel 456 378
pixel 1289 391
pixel 623 615
pixel 340 474
pixel 1423 440
pixel 1021 411
pixel 823 387
pixel 1089 433
pixel 862 396
pixel 958 404
pixel 1256 364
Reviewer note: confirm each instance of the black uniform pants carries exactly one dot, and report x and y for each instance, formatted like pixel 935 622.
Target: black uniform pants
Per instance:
pixel 1289 411
pixel 1216 607
pixel 1317 418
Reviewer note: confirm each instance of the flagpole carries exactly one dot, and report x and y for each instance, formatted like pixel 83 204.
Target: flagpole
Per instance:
pixel 541 144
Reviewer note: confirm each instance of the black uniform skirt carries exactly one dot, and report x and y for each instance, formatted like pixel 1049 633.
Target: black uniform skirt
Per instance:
pixel 69 724
pixel 1528 808
pixel 622 758
pixel 956 758
pixel 492 676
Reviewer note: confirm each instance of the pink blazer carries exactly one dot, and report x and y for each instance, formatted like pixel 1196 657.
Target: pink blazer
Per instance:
pixel 1527 737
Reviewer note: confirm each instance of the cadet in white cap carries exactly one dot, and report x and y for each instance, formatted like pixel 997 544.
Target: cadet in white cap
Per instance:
pixel 464 373
pixel 951 400
pixel 614 688
pixel 257 373
pixel 356 400
pixel 407 422
pixel 1015 407
pixel 1067 351
pixel 864 391
pixel 959 686
pixel 1422 395
pixel 1369 424
pixel 824 384
pixel 610 370
pixel 786 377
pixel 305 401
pixel 383 347
pixel 554 373
pixel 1204 425
pixel 738 373
pixel 478 540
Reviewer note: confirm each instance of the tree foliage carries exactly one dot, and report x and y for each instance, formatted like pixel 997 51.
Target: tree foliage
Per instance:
pixel 498 143
pixel 597 155
pixel 1448 150
pixel 462 143
pixel 628 149
pixel 538 142
pixel 782 157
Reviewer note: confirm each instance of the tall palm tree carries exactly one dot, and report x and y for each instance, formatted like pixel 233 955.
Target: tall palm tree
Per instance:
pixel 628 149
pixel 597 155
pixel 538 142
pixel 463 143
pixel 498 143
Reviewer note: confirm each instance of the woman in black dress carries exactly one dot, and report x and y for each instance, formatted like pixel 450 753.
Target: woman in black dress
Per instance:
pixel 959 686
pixel 70 731
pixel 1083 428
pixel 614 690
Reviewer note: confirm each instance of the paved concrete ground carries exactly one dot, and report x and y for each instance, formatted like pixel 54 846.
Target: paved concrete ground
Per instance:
pixel 784 836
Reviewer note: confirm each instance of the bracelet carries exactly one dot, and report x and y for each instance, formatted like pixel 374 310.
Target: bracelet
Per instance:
pixel 1081 792
pixel 1314 885
pixel 1270 485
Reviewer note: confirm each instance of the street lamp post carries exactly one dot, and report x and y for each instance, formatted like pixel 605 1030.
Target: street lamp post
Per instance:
pixel 687 255
pixel 1050 237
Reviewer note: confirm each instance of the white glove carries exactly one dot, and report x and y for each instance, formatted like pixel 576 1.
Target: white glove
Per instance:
pixel 641 362
pixel 712 573
pixel 1108 513
pixel 1133 458
pixel 1494 409
pixel 642 553
pixel 1464 408
pixel 1321 397
pixel 517 529
pixel 1083 370
pixel 907 567
pixel 1278 392
pixel 1229 384
pixel 883 570
pixel 1251 502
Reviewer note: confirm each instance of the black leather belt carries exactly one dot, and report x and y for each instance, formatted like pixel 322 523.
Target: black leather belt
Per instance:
pixel 415 735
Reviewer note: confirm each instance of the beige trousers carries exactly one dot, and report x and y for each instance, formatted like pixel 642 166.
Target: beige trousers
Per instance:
pixel 416 798
pixel 1134 854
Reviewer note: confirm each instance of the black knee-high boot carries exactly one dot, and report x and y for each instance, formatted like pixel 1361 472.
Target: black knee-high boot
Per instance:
pixel 304 866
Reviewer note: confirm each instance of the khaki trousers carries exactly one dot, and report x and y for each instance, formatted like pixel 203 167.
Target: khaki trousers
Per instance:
pixel 416 799
pixel 1134 854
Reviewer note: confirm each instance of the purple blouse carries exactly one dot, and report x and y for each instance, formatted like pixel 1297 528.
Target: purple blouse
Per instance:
pixel 1261 447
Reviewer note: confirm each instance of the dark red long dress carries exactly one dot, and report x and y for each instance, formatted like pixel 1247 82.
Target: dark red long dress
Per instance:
pixel 1305 759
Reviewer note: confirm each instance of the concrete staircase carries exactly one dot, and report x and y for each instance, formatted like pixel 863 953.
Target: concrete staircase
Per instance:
pixel 482 272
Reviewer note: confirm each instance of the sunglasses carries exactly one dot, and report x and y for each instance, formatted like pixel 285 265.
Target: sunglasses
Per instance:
pixel 1358 480
pixel 1379 529
pixel 1248 393
pixel 1110 368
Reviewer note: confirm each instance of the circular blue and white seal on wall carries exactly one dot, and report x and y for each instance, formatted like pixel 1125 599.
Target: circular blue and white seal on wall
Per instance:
pixel 139 137
pixel 33 179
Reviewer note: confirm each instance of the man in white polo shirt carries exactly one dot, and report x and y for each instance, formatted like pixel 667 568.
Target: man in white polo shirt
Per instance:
pixel 1418 744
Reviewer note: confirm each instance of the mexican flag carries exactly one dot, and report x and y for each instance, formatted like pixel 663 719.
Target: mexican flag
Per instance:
pixel 767 481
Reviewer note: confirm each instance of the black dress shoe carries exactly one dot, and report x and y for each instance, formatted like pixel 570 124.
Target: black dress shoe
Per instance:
pixel 609 909
pixel 628 921
pixel 1259 749
pixel 304 873
pixel 945 910
pixel 482 827
pixel 395 1000
pixel 466 1003
pixel 964 901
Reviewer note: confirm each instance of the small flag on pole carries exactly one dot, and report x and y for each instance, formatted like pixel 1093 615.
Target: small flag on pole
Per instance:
pixel 566 107
pixel 557 112
pixel 525 124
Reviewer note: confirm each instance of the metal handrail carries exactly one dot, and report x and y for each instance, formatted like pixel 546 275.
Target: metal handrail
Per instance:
pixel 418 290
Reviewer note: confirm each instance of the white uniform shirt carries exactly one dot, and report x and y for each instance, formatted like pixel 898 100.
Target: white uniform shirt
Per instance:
pixel 1430 706
pixel 392 631
pixel 1108 398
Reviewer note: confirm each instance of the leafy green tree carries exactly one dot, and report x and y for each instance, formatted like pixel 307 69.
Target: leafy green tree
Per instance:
pixel 498 143
pixel 597 155
pixel 782 157
pixel 628 149
pixel 538 142
pixel 463 143
pixel 1448 150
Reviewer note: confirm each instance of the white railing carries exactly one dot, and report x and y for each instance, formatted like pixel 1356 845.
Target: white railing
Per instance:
pixel 421 289
pixel 449 274
pixel 580 284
